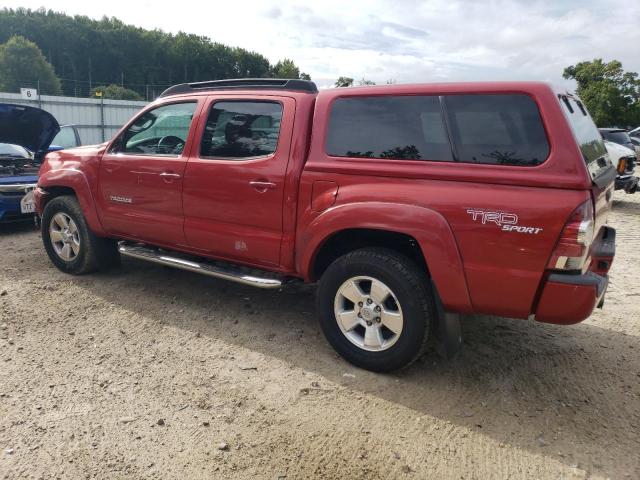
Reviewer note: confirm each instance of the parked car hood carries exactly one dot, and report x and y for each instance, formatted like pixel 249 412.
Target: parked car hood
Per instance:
pixel 29 127
pixel 617 151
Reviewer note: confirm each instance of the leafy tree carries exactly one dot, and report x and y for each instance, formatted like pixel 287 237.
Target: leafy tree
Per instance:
pixel 287 69
pixel 86 52
pixel 611 94
pixel 22 64
pixel 364 82
pixel 115 92
pixel 344 82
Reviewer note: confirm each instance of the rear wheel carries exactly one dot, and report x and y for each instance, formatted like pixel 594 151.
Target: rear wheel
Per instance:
pixel 376 308
pixel 70 244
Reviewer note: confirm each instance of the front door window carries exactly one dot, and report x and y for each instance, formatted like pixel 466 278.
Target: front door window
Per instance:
pixel 161 131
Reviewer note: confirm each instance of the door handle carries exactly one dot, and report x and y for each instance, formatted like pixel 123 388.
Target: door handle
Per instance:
pixel 170 175
pixel 262 186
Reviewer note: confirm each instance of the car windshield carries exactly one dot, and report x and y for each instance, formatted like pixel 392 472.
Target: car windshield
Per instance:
pixel 616 136
pixel 10 150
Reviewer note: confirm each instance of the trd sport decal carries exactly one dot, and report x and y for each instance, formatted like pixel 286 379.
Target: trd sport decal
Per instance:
pixel 508 222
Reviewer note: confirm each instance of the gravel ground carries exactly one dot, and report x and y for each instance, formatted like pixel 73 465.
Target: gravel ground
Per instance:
pixel 147 372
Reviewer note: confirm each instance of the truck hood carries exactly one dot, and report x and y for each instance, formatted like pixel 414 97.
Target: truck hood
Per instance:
pixel 617 151
pixel 29 127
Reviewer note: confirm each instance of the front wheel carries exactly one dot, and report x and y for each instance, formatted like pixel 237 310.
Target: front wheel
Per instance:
pixel 376 309
pixel 70 244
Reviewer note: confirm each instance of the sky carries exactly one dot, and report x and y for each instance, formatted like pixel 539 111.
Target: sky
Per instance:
pixel 404 40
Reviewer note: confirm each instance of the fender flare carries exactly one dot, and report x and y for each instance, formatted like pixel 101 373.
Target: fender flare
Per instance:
pixel 428 227
pixel 77 181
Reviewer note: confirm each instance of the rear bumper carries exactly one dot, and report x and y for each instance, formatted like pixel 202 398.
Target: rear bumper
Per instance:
pixel 570 298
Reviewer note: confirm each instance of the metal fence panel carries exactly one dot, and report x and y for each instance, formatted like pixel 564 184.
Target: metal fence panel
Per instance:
pixel 97 119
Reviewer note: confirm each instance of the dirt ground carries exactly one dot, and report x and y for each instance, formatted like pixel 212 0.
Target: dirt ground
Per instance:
pixel 147 372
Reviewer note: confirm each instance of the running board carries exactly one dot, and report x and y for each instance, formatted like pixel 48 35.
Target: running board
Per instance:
pixel 226 271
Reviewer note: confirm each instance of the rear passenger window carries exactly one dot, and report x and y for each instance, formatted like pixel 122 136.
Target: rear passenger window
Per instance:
pixel 240 129
pixel 388 127
pixel 497 129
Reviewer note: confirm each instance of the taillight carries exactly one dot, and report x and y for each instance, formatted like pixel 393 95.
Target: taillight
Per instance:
pixel 572 249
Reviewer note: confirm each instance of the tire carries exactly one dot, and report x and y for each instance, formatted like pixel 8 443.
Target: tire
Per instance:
pixel 409 295
pixel 64 225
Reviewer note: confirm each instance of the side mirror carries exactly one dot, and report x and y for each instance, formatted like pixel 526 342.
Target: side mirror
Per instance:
pixel 116 146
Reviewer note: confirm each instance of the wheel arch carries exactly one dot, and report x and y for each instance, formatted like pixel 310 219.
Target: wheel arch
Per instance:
pixel 350 239
pixel 417 232
pixel 55 183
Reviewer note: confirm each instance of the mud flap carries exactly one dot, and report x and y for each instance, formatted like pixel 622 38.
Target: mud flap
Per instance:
pixel 448 331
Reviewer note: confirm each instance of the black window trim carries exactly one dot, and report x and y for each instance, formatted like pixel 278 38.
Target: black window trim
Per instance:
pixel 239 159
pixel 117 142
pixel 444 115
pixel 445 118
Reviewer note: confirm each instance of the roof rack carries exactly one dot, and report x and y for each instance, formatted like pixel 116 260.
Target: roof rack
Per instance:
pixel 244 84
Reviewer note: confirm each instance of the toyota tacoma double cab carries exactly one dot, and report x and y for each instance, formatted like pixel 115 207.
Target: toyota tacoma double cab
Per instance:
pixel 407 204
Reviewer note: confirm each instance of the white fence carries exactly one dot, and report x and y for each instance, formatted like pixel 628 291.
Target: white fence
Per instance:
pixel 97 120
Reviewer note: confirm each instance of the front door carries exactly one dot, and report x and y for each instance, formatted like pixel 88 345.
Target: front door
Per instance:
pixel 235 178
pixel 141 176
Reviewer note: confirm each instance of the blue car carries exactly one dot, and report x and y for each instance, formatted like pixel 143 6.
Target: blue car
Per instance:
pixel 26 134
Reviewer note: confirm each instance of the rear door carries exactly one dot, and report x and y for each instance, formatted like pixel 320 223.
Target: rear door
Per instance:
pixel 141 176
pixel 234 180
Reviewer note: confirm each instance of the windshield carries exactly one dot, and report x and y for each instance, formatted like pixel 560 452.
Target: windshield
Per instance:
pixel 616 136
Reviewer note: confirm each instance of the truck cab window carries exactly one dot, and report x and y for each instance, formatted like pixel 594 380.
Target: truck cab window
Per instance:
pixel 161 131
pixel 241 129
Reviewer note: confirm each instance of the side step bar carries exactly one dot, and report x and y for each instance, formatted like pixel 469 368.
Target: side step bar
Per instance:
pixel 226 271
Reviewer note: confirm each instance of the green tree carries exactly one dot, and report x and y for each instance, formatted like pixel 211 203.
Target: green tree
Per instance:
pixel 115 92
pixel 287 69
pixel 85 52
pixel 22 64
pixel 343 82
pixel 611 94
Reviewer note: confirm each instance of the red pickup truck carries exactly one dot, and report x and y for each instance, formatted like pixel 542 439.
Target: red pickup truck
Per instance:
pixel 406 203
